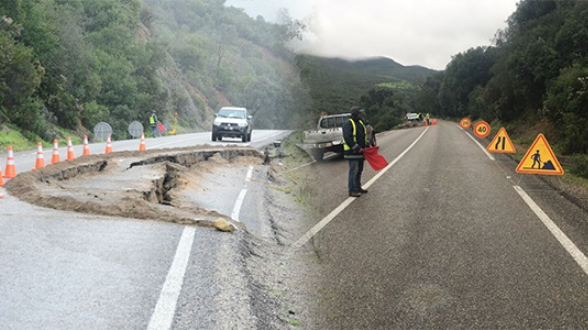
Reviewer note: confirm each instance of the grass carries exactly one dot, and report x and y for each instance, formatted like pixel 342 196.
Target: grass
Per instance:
pixel 295 323
pixel 13 137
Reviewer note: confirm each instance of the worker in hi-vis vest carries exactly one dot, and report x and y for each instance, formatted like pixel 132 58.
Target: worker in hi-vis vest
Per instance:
pixel 354 141
pixel 153 122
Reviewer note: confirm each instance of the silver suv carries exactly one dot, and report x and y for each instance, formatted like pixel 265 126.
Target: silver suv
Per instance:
pixel 232 122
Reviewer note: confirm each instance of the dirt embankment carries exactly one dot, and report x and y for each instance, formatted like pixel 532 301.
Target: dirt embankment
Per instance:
pixel 139 185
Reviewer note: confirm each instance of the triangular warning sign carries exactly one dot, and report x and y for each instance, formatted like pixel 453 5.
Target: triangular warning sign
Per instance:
pixel 501 143
pixel 540 159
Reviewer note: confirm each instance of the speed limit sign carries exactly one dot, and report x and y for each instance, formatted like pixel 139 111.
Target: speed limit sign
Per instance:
pixel 482 129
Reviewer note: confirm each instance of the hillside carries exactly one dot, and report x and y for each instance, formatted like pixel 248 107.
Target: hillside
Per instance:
pixel 68 65
pixel 335 84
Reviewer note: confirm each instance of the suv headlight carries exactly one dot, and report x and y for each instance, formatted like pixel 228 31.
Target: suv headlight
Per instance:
pixel 216 122
pixel 242 124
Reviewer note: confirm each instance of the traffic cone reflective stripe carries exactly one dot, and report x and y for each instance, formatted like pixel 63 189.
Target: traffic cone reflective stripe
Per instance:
pixel 10 171
pixel 55 157
pixel 1 180
pixel 40 162
pixel 70 151
pixel 108 145
pixel 142 145
pixel 86 146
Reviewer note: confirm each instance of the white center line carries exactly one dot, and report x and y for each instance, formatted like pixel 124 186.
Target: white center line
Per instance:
pixel 314 230
pixel 567 243
pixel 165 309
pixel 241 198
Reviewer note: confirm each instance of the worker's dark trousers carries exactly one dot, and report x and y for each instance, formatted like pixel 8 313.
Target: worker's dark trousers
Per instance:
pixel 355 170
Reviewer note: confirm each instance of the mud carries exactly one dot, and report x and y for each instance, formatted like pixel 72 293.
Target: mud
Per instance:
pixel 138 185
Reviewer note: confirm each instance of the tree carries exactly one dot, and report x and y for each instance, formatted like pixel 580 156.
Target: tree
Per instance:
pixel 464 74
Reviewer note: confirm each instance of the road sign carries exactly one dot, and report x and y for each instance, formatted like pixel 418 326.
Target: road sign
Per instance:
pixel 465 123
pixel 102 130
pixel 135 129
pixel 501 143
pixel 481 129
pixel 540 159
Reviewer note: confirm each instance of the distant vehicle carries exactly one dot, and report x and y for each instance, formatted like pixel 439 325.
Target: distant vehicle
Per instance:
pixel 232 122
pixel 411 116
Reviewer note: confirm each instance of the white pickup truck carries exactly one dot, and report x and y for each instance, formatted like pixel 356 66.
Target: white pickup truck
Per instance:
pixel 328 137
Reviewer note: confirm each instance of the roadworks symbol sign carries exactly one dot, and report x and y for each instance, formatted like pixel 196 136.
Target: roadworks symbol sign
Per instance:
pixel 540 159
pixel 501 143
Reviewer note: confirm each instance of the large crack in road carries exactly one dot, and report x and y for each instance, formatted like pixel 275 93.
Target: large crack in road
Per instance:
pixel 180 186
pixel 130 184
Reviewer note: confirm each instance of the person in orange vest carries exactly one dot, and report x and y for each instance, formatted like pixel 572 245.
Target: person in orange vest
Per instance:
pixel 355 139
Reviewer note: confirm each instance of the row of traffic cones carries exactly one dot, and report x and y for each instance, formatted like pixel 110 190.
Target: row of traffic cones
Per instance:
pixel 10 171
pixel 433 122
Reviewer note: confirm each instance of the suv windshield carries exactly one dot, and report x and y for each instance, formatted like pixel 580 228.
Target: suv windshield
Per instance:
pixel 232 114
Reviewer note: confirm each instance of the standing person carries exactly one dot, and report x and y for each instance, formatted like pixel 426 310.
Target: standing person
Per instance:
pixel 153 122
pixel 371 133
pixel 354 141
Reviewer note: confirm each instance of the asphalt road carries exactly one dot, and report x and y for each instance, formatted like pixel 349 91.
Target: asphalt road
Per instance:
pixel 445 240
pixel 65 270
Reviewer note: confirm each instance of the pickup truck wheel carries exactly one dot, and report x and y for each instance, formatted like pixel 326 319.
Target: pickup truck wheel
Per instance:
pixel 249 137
pixel 244 137
pixel 219 138
pixel 213 137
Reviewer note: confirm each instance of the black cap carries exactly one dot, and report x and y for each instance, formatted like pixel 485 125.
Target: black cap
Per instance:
pixel 355 110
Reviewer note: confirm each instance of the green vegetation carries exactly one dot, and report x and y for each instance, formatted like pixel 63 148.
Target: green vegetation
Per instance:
pixel 74 63
pixel 385 88
pixel 535 75
pixel 66 65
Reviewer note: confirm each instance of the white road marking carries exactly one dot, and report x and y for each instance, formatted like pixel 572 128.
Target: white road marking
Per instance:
pixel 325 221
pixel 481 147
pixel 241 198
pixel 249 174
pixel 238 205
pixel 567 243
pixel 165 309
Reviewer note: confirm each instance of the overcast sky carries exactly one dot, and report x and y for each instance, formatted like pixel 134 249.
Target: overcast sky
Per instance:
pixel 411 32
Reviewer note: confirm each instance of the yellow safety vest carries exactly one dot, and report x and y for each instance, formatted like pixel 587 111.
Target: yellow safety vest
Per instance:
pixel 345 146
pixel 152 120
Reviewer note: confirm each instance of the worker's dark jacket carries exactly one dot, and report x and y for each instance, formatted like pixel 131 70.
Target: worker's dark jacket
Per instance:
pixel 357 143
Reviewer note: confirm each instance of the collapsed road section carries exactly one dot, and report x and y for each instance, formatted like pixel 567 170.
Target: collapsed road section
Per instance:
pixel 138 185
pixel 247 278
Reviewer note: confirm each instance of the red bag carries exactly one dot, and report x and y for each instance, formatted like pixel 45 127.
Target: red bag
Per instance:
pixel 376 161
pixel 160 127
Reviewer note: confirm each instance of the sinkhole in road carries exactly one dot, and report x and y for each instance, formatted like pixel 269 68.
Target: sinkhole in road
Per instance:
pixel 139 185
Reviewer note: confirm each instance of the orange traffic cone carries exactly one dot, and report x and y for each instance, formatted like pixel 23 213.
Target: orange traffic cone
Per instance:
pixel 40 163
pixel 70 151
pixel 108 145
pixel 142 145
pixel 55 157
pixel 10 171
pixel 86 146
pixel 1 181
